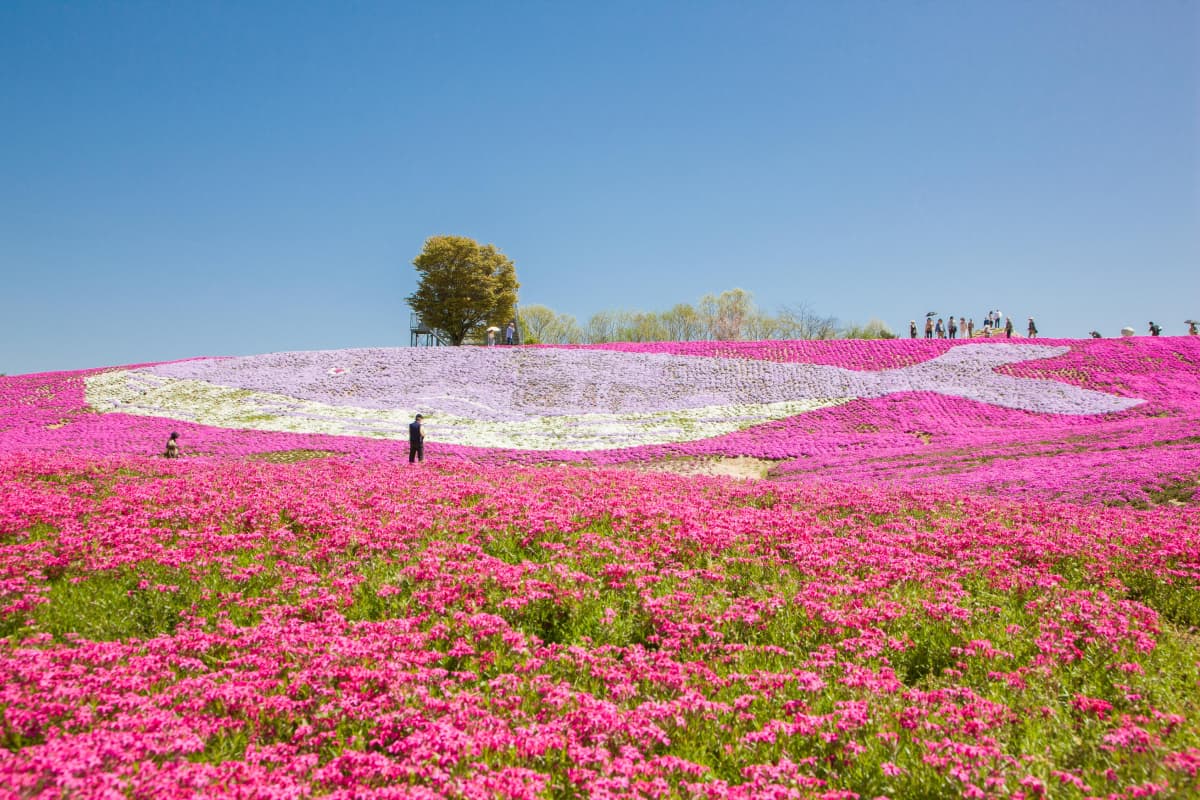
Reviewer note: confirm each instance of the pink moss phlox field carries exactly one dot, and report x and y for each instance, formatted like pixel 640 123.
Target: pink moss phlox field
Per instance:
pixel 915 439
pixel 215 627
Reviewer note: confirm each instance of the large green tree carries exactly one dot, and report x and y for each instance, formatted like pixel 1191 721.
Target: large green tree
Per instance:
pixel 464 287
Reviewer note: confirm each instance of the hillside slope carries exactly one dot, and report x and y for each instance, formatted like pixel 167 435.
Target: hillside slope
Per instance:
pixel 1102 420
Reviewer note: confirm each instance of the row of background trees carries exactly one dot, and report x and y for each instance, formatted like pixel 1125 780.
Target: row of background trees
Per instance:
pixel 465 287
pixel 729 316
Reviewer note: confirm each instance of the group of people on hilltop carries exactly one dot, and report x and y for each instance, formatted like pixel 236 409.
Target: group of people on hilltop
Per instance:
pixel 510 334
pixel 993 323
pixel 942 330
pixel 1156 329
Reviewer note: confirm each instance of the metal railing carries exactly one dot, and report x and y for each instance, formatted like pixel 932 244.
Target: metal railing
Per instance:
pixel 424 335
pixel 421 334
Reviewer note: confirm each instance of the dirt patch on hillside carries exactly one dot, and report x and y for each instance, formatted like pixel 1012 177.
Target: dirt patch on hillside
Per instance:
pixel 291 456
pixel 744 467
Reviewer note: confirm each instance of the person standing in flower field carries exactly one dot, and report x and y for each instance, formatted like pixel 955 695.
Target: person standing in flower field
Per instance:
pixel 491 339
pixel 1008 328
pixel 971 327
pixel 1032 328
pixel 1155 330
pixel 929 327
pixel 1191 323
pixel 953 328
pixel 912 329
pixel 510 333
pixel 940 329
pixel 172 445
pixel 416 440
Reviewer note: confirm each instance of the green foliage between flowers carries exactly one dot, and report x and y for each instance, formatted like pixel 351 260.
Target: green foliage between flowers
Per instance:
pixel 146 599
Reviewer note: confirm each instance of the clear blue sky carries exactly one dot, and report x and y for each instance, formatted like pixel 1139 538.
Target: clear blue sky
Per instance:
pixel 182 179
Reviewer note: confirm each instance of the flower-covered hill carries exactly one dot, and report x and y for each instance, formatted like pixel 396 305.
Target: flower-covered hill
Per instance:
pixel 1083 420
pixel 902 613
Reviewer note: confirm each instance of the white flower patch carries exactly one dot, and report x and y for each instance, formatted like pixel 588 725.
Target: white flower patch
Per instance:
pixel 135 392
pixel 556 399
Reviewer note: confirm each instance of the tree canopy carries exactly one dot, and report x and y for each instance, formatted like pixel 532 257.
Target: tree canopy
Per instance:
pixel 730 316
pixel 464 287
pixel 541 325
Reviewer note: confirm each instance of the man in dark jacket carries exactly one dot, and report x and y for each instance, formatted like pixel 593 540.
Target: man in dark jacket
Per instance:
pixel 416 440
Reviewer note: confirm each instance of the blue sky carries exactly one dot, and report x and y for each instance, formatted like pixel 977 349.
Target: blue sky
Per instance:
pixel 183 179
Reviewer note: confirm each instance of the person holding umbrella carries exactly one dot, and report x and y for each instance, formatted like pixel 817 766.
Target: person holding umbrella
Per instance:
pixel 491 335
